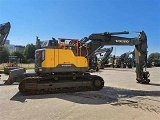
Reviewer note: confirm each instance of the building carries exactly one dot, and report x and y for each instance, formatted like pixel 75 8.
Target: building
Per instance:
pixel 11 48
pixel 14 48
pixel 19 48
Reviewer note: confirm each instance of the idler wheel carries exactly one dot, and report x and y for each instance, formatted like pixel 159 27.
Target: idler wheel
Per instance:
pixel 22 88
pixel 98 83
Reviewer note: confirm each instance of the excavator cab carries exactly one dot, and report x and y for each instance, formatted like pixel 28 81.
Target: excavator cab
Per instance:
pixel 93 63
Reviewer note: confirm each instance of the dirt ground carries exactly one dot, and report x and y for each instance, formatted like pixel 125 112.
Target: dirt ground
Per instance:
pixel 120 99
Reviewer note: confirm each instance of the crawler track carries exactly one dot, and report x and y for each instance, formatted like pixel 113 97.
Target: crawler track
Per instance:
pixel 50 84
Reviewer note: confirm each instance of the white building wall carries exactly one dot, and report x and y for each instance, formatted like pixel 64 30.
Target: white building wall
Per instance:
pixel 11 48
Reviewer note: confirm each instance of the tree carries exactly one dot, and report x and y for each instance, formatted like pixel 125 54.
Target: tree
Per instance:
pixel 4 53
pixel 19 55
pixel 154 56
pixel 29 51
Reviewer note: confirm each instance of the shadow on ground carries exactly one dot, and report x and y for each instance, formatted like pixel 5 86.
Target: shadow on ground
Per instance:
pixel 107 95
pixel 119 69
pixel 153 84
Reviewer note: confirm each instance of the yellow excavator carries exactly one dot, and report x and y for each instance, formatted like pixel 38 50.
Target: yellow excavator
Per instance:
pixel 61 65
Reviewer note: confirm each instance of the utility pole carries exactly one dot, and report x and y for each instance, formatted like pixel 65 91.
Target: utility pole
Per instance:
pixel 115 51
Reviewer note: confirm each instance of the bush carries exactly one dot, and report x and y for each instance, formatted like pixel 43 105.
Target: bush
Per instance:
pixel 30 61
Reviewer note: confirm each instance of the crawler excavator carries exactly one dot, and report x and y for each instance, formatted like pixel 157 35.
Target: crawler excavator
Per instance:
pixel 124 60
pixel 62 66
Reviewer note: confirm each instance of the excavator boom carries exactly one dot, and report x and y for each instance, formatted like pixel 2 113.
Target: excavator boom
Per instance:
pixel 4 31
pixel 108 38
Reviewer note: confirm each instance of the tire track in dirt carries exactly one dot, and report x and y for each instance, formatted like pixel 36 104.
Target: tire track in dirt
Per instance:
pixel 145 100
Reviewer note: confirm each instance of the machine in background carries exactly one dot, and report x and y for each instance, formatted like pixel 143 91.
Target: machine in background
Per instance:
pixel 123 60
pixel 13 63
pixel 104 60
pixel 95 63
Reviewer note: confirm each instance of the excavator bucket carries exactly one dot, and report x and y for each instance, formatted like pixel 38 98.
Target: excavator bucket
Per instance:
pixel 14 76
pixel 8 69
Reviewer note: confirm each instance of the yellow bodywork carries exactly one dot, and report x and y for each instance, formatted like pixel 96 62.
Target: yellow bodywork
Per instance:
pixel 54 57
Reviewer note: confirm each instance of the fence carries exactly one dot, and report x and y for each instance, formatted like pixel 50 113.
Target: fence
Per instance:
pixel 27 66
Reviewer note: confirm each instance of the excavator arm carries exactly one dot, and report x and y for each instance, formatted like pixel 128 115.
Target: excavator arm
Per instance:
pixel 4 31
pixel 97 40
pixel 107 38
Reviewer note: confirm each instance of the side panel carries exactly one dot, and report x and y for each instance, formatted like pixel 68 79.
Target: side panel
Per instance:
pixel 56 57
pixel 62 60
pixel 49 59
pixel 65 56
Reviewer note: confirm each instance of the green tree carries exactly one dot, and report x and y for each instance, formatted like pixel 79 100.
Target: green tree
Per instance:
pixel 29 51
pixel 19 55
pixel 154 56
pixel 4 53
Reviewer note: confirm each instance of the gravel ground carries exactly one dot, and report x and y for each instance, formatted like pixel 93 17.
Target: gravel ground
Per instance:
pixel 120 99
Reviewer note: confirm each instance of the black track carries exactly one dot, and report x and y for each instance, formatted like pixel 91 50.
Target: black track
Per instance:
pixel 48 84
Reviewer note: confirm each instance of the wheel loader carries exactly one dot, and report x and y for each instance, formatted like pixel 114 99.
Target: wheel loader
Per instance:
pixel 13 63
pixel 61 65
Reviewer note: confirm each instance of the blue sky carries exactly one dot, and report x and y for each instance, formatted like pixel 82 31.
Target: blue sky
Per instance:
pixel 80 18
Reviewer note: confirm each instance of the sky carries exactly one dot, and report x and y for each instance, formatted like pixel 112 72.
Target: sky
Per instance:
pixel 80 18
